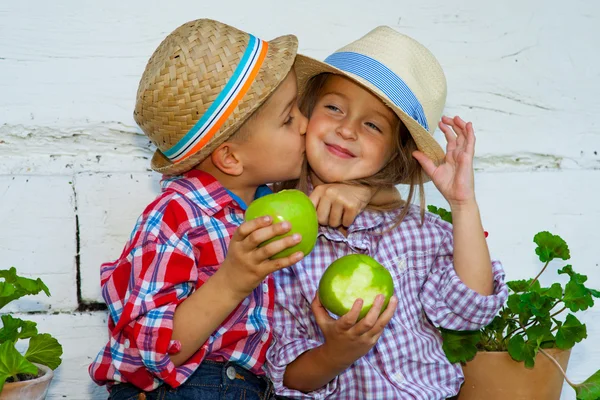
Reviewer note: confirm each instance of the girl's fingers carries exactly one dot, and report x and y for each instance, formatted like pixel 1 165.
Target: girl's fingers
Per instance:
pixel 470 139
pixel 335 215
pixel 323 210
pixel 448 132
pixel 428 165
pixel 385 317
pixel 368 322
pixel 348 320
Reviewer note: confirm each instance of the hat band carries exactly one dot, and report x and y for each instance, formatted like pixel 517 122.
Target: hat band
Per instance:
pixel 227 100
pixel 383 79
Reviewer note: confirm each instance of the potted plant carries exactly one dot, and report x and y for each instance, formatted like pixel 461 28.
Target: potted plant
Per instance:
pixel 523 353
pixel 28 375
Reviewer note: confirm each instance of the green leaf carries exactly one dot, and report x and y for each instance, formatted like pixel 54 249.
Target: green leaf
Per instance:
pixel 14 329
pixel 555 291
pixel 519 307
pixel 44 349
pixel 6 289
pixel 443 213
pixel 571 332
pixel 22 286
pixel 520 350
pixel 539 305
pixel 10 329
pixel 13 363
pixel 460 346
pixel 550 247
pixel 575 277
pixel 577 297
pixel 523 285
pixel 590 388
pixel 540 333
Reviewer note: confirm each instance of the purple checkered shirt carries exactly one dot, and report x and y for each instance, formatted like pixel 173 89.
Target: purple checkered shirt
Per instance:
pixel 408 361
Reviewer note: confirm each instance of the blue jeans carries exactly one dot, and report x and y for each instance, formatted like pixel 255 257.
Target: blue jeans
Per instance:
pixel 211 381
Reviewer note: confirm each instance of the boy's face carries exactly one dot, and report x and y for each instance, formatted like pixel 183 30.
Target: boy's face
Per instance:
pixel 350 134
pixel 274 148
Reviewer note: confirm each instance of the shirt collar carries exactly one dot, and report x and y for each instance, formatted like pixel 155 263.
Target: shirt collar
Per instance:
pixel 205 190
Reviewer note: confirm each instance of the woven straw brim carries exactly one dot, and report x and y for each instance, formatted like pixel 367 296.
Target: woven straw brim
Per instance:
pixel 276 66
pixel 307 67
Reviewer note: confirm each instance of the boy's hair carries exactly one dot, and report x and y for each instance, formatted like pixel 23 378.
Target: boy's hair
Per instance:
pixel 402 167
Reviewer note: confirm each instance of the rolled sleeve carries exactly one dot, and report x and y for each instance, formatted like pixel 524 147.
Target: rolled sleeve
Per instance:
pixel 162 276
pixel 451 304
pixel 294 333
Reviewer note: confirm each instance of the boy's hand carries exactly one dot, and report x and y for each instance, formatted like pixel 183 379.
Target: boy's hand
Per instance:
pixel 338 204
pixel 346 339
pixel 247 265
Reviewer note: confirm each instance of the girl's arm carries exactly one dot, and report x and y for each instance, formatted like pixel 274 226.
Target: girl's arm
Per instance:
pixel 454 179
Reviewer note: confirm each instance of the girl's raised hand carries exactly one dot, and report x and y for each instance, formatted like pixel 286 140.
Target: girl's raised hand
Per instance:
pixel 454 177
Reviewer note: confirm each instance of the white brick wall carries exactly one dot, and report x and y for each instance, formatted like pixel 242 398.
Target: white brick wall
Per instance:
pixel 524 71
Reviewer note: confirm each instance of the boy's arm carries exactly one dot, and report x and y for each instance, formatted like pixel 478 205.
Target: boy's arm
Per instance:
pixel 244 268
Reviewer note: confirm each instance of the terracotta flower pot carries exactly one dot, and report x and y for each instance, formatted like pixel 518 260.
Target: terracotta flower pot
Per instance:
pixel 496 376
pixel 34 389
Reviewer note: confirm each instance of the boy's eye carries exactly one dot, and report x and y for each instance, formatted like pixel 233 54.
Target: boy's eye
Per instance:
pixel 288 120
pixel 332 108
pixel 373 126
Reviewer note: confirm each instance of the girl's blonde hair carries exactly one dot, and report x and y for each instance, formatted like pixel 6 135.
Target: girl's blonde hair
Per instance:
pixel 402 167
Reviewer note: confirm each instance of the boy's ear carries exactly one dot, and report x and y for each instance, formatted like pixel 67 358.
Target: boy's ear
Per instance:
pixel 227 160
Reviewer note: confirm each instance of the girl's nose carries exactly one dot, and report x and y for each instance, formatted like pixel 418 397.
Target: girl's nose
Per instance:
pixel 347 130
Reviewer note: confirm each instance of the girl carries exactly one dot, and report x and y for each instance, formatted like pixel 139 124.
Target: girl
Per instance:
pixel 372 107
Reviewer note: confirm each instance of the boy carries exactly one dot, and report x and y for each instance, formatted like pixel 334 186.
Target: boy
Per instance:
pixel 220 106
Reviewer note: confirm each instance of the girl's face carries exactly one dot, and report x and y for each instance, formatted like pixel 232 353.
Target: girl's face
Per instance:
pixel 350 134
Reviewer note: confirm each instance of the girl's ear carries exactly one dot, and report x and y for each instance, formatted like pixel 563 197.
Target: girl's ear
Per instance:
pixel 227 160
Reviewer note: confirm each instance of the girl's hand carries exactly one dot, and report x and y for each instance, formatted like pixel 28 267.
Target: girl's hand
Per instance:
pixel 339 204
pixel 454 177
pixel 348 340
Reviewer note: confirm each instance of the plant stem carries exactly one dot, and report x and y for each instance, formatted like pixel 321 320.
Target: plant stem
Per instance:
pixel 521 327
pixel 573 385
pixel 558 312
pixel 15 378
pixel 538 275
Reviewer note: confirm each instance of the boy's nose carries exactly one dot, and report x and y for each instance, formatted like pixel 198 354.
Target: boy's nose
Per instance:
pixel 303 124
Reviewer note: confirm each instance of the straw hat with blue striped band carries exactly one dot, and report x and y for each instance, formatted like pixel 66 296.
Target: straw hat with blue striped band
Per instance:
pixel 400 71
pixel 201 84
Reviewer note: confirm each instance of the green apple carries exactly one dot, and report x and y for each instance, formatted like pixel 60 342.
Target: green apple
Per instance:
pixel 293 206
pixel 352 277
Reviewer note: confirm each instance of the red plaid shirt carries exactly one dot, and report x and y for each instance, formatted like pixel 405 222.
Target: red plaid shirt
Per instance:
pixel 179 241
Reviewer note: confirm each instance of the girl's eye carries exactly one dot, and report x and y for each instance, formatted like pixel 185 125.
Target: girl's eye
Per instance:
pixel 288 120
pixel 373 126
pixel 332 108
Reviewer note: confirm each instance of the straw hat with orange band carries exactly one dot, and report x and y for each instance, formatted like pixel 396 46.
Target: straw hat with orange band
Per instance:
pixel 201 84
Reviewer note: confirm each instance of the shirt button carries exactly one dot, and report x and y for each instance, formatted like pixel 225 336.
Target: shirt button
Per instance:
pixel 265 287
pixel 231 372
pixel 265 337
pixel 126 343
